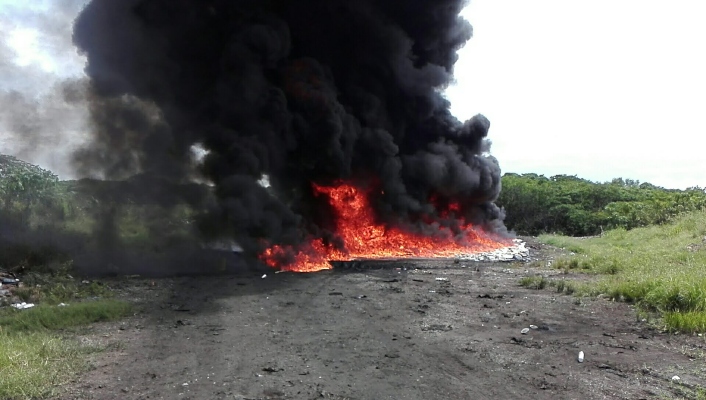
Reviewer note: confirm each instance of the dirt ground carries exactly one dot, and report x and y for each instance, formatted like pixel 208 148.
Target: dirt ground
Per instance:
pixel 387 330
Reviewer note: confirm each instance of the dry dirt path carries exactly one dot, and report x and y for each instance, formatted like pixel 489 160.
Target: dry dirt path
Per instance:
pixel 383 334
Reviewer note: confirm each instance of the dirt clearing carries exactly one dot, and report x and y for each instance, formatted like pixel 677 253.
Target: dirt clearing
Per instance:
pixel 392 330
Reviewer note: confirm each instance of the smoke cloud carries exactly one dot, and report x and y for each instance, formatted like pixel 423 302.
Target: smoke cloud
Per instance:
pixel 308 91
pixel 41 118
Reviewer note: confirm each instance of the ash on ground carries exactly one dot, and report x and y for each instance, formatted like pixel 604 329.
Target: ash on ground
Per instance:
pixel 517 252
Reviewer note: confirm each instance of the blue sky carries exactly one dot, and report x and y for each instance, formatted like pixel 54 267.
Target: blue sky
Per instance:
pixel 599 88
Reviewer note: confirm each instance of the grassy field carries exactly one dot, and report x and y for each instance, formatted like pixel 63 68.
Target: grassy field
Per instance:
pixel 37 352
pixel 39 214
pixel 660 268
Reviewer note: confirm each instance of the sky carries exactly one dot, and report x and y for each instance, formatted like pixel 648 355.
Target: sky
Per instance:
pixel 599 89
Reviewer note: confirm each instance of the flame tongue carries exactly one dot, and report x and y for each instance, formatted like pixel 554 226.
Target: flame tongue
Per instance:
pixel 364 238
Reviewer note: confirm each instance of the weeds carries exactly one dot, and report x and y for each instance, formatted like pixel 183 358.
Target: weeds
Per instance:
pixel 534 282
pixel 59 287
pixel 51 318
pixel 686 322
pixel 34 360
pixel 660 268
pixel 34 365
pixel 564 286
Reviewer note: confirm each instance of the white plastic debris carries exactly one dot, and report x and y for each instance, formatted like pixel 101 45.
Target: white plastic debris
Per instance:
pixel 534 327
pixel 580 356
pixel 517 251
pixel 676 378
pixel 442 279
pixel 264 276
pixel 23 305
pixel 524 331
pixel 62 305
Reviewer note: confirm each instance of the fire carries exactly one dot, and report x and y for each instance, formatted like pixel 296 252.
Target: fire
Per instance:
pixel 364 238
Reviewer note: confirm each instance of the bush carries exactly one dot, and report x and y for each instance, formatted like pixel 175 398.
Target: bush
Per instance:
pixel 573 206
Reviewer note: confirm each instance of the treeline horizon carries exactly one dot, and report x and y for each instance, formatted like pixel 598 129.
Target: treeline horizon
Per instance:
pixel 534 203
pixel 573 206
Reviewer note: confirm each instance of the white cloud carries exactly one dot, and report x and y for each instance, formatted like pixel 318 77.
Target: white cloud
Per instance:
pixel 601 89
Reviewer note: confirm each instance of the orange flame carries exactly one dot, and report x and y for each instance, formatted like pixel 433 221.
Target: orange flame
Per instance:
pixel 364 238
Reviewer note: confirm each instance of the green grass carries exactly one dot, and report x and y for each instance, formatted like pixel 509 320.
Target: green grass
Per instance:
pixel 33 366
pixel 540 282
pixel 51 318
pixel 35 360
pixel 661 268
pixel 534 282
pixel 686 322
pixel 564 286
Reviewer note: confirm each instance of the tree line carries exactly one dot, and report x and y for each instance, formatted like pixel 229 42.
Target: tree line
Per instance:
pixel 574 206
pixel 534 203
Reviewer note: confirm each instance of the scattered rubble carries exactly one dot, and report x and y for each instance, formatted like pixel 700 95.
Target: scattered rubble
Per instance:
pixel 8 284
pixel 517 252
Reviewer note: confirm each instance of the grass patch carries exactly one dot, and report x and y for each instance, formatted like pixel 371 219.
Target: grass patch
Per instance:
pixel 661 268
pixel 686 322
pixel 564 286
pixel 534 282
pixel 573 263
pixel 34 360
pixel 33 366
pixel 51 318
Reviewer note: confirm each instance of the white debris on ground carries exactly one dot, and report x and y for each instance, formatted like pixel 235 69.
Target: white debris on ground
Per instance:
pixel 23 305
pixel 516 252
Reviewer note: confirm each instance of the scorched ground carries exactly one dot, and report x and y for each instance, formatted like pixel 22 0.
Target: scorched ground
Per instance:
pixel 378 331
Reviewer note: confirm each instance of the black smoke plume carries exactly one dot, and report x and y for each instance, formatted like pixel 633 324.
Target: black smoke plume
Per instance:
pixel 308 91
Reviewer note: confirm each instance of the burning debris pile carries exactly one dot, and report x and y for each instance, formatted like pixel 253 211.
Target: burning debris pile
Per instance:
pixel 338 103
pixel 365 238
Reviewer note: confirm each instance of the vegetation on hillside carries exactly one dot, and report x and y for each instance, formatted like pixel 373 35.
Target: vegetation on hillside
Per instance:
pixel 573 206
pixel 38 353
pixel 42 219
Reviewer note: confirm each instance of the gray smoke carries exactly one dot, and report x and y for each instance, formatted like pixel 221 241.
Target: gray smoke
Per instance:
pixel 42 120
